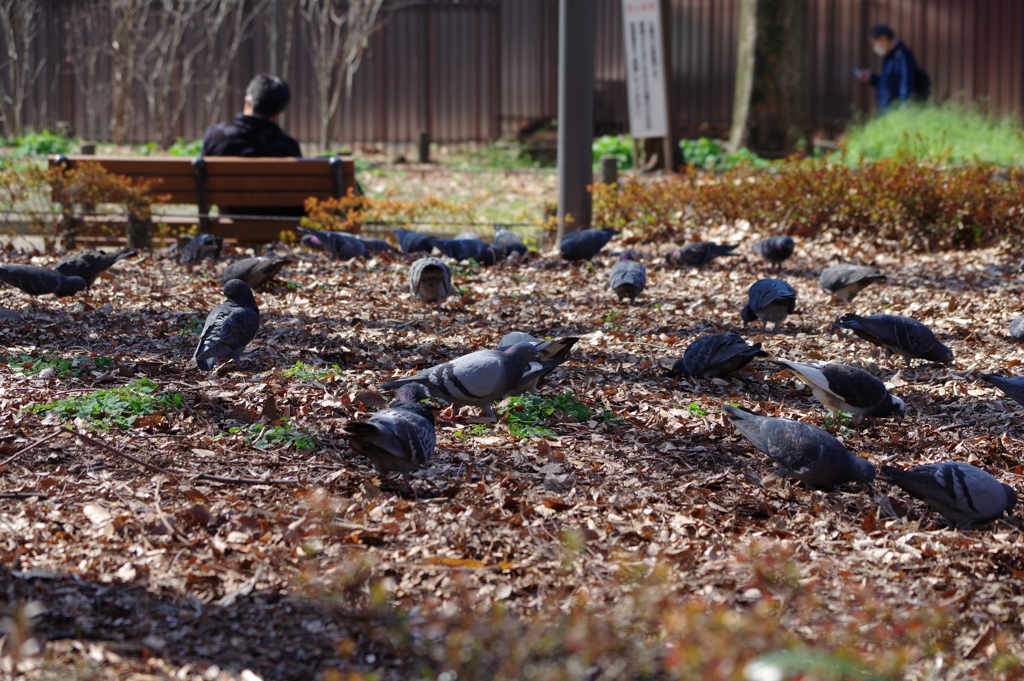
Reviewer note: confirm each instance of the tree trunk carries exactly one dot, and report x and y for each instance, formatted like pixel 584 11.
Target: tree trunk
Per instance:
pixel 140 232
pixel 770 112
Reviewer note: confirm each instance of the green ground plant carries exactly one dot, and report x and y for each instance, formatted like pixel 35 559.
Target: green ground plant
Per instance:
pixel 525 415
pixel 117 407
pixel 30 365
pixel 301 371
pixel 279 434
pixel 951 132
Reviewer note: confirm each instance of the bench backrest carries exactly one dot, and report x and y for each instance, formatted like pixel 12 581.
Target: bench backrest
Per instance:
pixel 232 180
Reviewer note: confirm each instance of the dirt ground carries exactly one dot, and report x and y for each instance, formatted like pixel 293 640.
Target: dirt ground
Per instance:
pixel 248 556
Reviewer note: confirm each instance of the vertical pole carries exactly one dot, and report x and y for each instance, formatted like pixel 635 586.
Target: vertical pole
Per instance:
pixel 609 170
pixel 575 112
pixel 424 146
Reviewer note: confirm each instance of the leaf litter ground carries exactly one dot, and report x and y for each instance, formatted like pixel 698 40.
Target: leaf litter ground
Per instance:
pixel 273 549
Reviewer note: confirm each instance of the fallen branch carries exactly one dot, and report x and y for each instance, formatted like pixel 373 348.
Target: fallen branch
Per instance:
pixel 21 451
pixel 90 440
pixel 245 481
pixel 24 495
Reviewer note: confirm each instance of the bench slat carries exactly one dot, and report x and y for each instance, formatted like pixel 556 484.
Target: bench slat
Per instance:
pixel 264 198
pixel 314 184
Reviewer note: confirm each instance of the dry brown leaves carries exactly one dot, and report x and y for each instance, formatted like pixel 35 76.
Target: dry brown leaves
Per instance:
pixel 204 579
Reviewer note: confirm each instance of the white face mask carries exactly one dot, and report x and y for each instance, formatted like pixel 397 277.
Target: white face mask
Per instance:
pixel 879 49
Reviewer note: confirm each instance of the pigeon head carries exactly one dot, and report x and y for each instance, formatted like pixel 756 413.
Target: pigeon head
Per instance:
pixel 310 241
pixel 939 353
pixel 525 351
pixel 1011 497
pixel 899 407
pixel 865 471
pixel 413 392
pixel 627 255
pixel 237 291
pixel 747 314
pixel 71 286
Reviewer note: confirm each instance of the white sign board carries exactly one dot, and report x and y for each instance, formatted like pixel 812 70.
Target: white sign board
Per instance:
pixel 645 75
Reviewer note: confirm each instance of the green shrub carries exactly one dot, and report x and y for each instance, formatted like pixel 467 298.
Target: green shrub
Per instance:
pixel 709 155
pixel 918 204
pixel 619 146
pixel 950 132
pixel 183 148
pixel 116 408
pixel 42 143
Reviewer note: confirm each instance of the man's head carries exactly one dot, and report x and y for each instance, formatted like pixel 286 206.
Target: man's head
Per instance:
pixel 266 96
pixel 882 39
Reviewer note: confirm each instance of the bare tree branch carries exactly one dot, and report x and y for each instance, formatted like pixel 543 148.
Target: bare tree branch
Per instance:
pixel 19 25
pixel 237 17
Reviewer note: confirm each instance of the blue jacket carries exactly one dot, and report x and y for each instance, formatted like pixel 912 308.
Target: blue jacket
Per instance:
pixel 898 82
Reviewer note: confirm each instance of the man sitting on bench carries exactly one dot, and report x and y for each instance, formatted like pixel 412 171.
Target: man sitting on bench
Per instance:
pixel 255 132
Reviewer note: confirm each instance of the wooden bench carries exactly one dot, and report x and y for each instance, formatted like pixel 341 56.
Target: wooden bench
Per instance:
pixel 223 181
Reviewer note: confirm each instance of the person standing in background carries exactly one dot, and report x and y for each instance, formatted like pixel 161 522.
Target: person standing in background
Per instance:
pixel 901 80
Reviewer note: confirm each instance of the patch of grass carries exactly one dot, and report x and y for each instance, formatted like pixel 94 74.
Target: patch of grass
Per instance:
pixel 951 131
pixel 283 433
pixel 524 414
pixel 612 320
pixel 307 372
pixel 30 365
pixel 294 286
pixel 192 327
pixel 696 410
pixel 117 407
pixel 473 430
pixel 489 157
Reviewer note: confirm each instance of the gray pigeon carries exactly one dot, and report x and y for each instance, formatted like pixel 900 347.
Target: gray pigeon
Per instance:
pixel 229 326
pixel 466 249
pixel 400 438
pixel 1017 329
pixel 38 281
pixel 963 494
pixel 199 248
pixel 775 249
pixel 477 379
pixel 585 243
pixel 844 388
pixel 89 264
pixel 844 282
pixel 413 242
pixel 508 241
pixel 375 246
pixel 902 336
pixel 552 354
pixel 1013 387
pixel 698 254
pixel 255 272
pixel 716 356
pixel 430 280
pixel 628 277
pixel 803 451
pixel 339 245
pixel 770 300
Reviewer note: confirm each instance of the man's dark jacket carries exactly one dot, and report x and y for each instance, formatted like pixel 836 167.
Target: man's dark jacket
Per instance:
pixel 249 136
pixel 898 81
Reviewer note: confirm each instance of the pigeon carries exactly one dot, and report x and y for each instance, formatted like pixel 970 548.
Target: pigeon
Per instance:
pixel 430 280
pixel 698 254
pixel 552 354
pixel 311 241
pixel 963 494
pixel 89 264
pixel 584 244
pixel 413 242
pixel 198 248
pixel 1013 387
pixel 1017 329
pixel 255 272
pixel 628 277
pixel 476 379
pixel 400 438
pixel 716 356
pixel 844 388
pixel 38 281
pixel 466 249
pixel 229 326
pixel 339 245
pixel 770 300
pixel 509 241
pixel 775 249
pixel 844 282
pixel 376 246
pixel 902 336
pixel 803 451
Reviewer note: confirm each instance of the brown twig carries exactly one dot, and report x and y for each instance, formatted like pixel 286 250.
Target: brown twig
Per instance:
pixel 24 495
pixel 245 481
pixel 21 451
pixel 90 440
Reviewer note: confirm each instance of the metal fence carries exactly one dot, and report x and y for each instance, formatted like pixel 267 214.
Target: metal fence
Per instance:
pixel 474 70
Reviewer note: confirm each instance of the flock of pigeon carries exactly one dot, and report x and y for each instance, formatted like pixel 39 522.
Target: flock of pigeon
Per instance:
pixel 402 438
